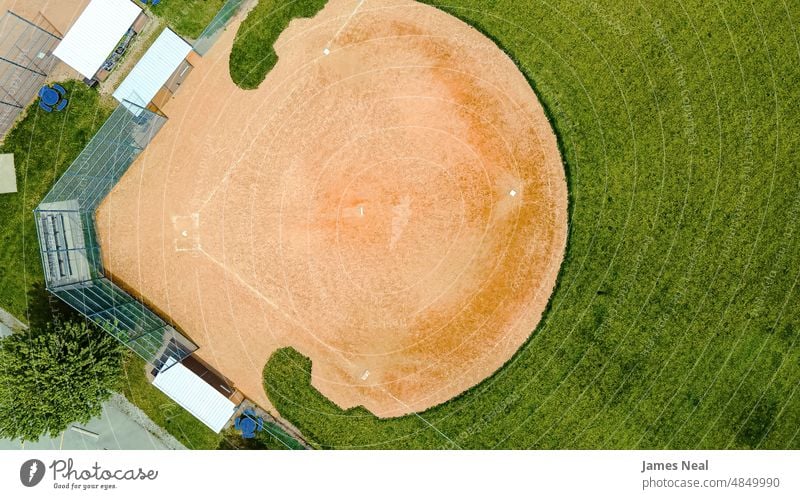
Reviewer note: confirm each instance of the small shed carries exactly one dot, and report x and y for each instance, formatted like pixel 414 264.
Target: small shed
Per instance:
pixel 154 69
pixel 96 34
pixel 8 174
pixel 192 393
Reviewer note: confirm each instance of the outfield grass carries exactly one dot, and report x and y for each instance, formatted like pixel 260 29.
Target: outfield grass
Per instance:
pixel 188 18
pixel 44 145
pixel 675 321
pixel 252 56
pixel 163 410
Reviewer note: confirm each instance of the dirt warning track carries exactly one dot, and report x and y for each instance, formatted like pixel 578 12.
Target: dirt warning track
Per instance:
pixel 390 202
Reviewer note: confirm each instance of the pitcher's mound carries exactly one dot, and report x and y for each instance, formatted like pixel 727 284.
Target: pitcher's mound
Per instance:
pixel 390 202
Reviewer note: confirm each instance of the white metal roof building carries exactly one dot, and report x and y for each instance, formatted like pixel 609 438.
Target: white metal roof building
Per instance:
pixel 153 69
pixel 195 395
pixel 96 33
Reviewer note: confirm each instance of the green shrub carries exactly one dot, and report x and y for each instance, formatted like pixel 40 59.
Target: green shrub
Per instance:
pixel 52 377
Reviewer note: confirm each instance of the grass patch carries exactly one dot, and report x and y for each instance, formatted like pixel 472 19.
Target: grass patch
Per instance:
pixel 675 321
pixel 187 18
pixel 44 145
pixel 163 410
pixel 252 56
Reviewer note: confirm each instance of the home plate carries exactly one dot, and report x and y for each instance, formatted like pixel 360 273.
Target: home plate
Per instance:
pixel 187 232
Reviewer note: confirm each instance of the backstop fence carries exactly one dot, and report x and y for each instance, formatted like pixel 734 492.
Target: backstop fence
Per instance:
pixel 217 26
pixel 26 57
pixel 70 250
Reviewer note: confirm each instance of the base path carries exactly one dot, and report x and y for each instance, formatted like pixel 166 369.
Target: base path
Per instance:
pixel 390 202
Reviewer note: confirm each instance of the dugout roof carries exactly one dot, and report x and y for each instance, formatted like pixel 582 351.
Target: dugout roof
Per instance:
pixel 96 33
pixel 153 69
pixel 192 393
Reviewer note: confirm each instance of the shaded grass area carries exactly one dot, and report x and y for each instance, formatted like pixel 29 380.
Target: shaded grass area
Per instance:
pixel 44 145
pixel 252 56
pixel 675 322
pixel 187 18
pixel 163 410
pixel 272 437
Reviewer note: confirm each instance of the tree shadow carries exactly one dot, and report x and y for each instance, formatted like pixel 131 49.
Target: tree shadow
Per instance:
pixel 44 308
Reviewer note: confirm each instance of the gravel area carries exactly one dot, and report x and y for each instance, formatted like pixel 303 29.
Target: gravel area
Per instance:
pixel 136 414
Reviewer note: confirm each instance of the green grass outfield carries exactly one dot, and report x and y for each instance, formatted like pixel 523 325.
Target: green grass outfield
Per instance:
pixel 675 322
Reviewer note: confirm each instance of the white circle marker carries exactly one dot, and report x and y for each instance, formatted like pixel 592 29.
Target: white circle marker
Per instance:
pixel 185 233
pixel 326 51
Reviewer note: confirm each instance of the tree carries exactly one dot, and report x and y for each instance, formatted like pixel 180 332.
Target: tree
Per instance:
pixel 53 376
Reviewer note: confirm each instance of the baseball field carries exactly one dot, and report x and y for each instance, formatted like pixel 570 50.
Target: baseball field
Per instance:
pixel 394 212
pixel 425 256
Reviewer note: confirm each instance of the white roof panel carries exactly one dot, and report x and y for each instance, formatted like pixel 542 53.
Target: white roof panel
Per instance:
pixel 8 174
pixel 153 69
pixel 195 395
pixel 95 34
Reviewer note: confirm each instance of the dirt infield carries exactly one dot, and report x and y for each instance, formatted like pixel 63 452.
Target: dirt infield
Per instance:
pixel 390 202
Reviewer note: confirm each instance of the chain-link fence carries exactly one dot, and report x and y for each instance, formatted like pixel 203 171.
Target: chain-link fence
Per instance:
pixel 217 26
pixel 70 250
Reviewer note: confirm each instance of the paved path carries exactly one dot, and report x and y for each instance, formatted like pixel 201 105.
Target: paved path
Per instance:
pixel 9 322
